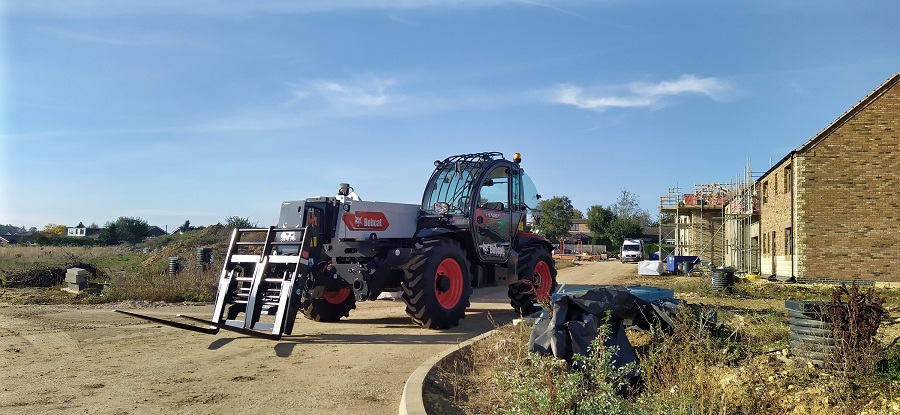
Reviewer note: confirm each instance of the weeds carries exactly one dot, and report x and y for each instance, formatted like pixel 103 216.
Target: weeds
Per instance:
pixel 737 363
pixel 117 272
pixel 855 317
pixel 591 385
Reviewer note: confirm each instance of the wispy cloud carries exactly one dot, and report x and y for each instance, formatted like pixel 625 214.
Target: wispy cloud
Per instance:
pixel 639 94
pixel 94 8
pixel 119 39
pixel 370 91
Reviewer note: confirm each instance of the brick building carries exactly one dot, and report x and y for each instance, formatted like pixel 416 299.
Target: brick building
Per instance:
pixel 831 207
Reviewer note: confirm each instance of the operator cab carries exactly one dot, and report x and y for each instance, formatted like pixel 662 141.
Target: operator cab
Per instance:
pixel 485 194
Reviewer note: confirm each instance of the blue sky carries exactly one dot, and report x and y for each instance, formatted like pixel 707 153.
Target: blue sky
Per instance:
pixel 171 110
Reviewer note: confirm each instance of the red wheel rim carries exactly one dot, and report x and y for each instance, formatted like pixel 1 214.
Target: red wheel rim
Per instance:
pixel 337 297
pixel 450 269
pixel 543 280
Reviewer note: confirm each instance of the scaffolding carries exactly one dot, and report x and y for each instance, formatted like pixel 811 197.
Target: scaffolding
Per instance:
pixel 742 216
pixel 717 222
pixel 694 223
pixel 668 223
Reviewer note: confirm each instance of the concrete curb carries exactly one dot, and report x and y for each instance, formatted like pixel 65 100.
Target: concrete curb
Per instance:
pixel 412 402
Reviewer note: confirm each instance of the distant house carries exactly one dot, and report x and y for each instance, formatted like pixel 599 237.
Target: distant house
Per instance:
pixel 81 231
pixel 16 239
pixel 155 231
pixel 579 232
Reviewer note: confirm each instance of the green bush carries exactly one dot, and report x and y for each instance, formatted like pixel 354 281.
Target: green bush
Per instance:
pixel 591 385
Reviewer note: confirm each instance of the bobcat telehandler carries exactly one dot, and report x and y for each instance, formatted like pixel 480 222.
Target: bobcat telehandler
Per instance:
pixel 327 253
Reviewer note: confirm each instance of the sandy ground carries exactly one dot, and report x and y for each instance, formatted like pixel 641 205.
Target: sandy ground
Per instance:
pixel 90 360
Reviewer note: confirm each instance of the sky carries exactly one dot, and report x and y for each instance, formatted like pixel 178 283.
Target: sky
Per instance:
pixel 171 110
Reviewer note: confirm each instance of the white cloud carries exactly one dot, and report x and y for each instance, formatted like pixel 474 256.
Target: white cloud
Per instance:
pixel 687 84
pixel 639 94
pixel 118 39
pixel 366 92
pixel 94 8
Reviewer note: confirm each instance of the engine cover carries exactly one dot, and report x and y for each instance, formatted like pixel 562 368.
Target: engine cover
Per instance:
pixel 360 219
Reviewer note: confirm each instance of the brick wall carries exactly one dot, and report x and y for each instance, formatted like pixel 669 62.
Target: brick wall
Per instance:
pixel 848 197
pixel 776 252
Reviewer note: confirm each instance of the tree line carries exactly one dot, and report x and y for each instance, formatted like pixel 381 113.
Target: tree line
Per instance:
pixel 609 225
pixel 125 229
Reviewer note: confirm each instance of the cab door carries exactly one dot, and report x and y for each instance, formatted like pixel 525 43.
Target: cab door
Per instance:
pixel 494 228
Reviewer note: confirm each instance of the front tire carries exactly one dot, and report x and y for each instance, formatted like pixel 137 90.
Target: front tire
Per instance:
pixel 334 306
pixel 438 285
pixel 537 279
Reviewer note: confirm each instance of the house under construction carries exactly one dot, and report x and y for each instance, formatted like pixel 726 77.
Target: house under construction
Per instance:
pixel 717 222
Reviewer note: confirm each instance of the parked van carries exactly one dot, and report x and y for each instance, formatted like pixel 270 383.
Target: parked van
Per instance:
pixel 632 251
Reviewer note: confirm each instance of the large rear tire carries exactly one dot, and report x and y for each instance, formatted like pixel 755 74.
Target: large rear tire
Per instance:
pixel 438 285
pixel 537 279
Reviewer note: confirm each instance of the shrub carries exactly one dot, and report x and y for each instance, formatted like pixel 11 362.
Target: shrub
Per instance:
pixel 855 317
pixel 591 385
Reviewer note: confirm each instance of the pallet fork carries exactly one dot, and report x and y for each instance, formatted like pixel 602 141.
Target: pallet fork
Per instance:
pixel 258 276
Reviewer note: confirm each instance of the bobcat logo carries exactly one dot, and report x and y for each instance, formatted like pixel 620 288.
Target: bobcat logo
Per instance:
pixel 366 221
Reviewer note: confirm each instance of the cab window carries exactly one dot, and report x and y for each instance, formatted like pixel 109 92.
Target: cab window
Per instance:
pixel 495 190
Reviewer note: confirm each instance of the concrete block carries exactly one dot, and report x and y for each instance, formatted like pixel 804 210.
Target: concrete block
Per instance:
pixel 76 276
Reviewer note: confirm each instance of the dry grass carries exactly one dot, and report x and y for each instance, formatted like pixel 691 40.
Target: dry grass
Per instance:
pixel 118 272
pixel 739 366
pixel 35 266
pixel 463 382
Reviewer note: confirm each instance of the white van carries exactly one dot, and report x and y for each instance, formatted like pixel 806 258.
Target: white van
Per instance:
pixel 632 251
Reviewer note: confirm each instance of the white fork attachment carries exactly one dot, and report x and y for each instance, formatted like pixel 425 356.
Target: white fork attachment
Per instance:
pixel 263 277
pixel 260 275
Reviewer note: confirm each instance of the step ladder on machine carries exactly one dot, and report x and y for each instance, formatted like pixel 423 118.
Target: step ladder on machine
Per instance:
pixel 263 274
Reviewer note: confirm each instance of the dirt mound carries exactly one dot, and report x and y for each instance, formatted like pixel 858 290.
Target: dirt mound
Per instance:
pixel 185 246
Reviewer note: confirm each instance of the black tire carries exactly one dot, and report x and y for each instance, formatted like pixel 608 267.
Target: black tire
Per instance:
pixel 429 304
pixel 522 294
pixel 335 306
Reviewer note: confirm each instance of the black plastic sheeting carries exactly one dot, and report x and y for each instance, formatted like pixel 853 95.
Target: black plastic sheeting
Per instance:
pixel 577 317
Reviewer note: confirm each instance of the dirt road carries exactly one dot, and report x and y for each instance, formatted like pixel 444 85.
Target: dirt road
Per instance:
pixel 90 360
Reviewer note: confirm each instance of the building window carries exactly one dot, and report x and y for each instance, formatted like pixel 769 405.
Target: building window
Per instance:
pixel 772 241
pixel 766 191
pixel 775 184
pixel 788 242
pixel 788 179
pixel 765 244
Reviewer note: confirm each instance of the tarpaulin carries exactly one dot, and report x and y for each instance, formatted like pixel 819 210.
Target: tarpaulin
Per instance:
pixel 576 319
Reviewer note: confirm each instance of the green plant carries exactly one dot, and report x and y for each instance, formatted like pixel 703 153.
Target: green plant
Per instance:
pixel 889 367
pixel 591 385
pixel 239 222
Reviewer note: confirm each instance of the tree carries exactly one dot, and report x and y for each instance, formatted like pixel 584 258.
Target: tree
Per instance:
pixel 10 228
pixel 621 228
pixel 628 207
pixel 133 230
pixel 577 214
pixel 598 219
pixel 125 229
pixel 239 222
pixel 52 229
pixel 109 235
pixel 556 218
pixel 186 227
